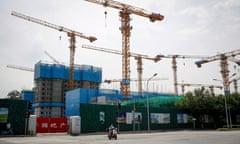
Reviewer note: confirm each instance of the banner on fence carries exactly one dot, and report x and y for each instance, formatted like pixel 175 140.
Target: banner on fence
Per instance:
pixel 51 125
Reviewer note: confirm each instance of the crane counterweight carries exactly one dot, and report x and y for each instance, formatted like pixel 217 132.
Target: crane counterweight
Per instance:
pixel 155 16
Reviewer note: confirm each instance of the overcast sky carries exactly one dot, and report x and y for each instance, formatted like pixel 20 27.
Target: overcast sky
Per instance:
pixel 190 28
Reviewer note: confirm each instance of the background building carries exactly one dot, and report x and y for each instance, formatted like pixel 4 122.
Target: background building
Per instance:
pixel 51 83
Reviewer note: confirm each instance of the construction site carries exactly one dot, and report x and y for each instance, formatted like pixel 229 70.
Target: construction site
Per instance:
pixel 64 90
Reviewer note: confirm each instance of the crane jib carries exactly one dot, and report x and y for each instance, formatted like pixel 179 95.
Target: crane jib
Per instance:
pixel 53 26
pixel 131 9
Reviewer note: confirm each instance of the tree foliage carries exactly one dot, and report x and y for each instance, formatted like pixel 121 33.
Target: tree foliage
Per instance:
pixel 202 102
pixel 14 94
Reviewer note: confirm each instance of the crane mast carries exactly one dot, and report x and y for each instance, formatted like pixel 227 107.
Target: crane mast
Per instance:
pixel 71 33
pixel 225 73
pixel 140 71
pixel 137 56
pixel 125 29
pixel 125 11
pixel 235 84
pixel 174 66
pixel 72 52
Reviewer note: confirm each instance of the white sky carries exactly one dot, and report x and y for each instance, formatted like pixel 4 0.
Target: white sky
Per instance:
pixel 189 28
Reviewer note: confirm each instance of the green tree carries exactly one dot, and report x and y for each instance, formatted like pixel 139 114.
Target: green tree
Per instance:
pixel 14 94
pixel 201 102
pixel 234 102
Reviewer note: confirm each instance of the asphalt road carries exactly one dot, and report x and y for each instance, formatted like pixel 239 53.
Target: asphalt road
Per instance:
pixel 178 137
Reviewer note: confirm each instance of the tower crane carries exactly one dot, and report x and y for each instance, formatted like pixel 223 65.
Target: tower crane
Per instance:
pixel 125 11
pixel 224 57
pixel 71 33
pixel 211 87
pixel 137 56
pixel 174 66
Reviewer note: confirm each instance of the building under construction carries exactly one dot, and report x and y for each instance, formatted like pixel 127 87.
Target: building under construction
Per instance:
pixel 51 83
pixel 52 94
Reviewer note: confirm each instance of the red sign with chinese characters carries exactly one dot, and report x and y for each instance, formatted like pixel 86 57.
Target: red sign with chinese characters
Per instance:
pixel 51 125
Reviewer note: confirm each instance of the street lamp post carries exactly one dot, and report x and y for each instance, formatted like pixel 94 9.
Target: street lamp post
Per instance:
pixel 226 93
pixel 133 113
pixel 227 110
pixel 148 118
pixel 225 104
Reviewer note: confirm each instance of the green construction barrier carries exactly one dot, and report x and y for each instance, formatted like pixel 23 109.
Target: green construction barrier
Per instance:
pixel 95 118
pixel 13 111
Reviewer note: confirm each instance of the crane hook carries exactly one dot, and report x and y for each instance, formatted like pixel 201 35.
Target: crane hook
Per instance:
pixel 105 13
